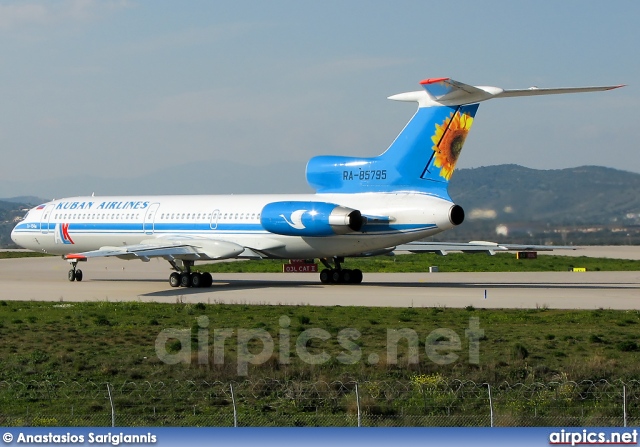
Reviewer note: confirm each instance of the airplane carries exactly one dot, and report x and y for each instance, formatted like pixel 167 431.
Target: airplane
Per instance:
pixel 363 206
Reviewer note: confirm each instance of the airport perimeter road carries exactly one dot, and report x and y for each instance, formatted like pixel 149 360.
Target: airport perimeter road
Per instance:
pixel 116 280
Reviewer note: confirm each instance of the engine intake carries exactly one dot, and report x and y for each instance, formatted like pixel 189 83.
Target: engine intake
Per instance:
pixel 310 219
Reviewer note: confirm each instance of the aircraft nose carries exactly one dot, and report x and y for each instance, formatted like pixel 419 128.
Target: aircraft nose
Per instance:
pixel 14 236
pixel 17 237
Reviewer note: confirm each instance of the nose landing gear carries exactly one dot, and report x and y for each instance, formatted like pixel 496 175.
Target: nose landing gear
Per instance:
pixel 75 274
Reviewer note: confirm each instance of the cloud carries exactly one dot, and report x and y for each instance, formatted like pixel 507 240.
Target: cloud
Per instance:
pixel 193 36
pixel 18 15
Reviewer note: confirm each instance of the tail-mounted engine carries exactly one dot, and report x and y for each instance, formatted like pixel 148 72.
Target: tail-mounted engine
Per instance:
pixel 310 219
pixel 456 215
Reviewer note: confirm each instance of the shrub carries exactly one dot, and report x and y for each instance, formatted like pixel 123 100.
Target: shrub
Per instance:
pixel 519 352
pixel 628 346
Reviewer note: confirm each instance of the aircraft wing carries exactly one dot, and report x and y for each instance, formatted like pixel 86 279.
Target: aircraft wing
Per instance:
pixel 185 249
pixel 442 248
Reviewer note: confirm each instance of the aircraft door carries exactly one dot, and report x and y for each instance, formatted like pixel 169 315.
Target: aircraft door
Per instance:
pixel 150 217
pixel 45 218
pixel 214 219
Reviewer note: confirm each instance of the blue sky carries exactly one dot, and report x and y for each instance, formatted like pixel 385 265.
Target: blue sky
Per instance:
pixel 133 89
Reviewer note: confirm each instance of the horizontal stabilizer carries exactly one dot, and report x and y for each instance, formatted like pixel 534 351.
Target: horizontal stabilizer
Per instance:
pixel 447 92
pixel 535 91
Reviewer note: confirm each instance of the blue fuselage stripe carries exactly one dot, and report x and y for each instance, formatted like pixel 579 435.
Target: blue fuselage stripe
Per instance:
pixel 182 227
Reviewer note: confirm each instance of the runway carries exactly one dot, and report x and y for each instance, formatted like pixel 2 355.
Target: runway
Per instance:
pixel 45 279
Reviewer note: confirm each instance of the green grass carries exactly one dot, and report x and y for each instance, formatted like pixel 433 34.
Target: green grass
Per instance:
pixel 50 349
pixel 420 262
pixel 21 254
pixel 116 341
pixel 453 262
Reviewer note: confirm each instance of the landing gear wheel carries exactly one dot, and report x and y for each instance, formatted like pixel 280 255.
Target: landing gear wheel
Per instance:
pixel 185 280
pixel 335 274
pixel 174 279
pixel 325 276
pixel 207 280
pixel 196 279
pixel 72 275
pixel 78 275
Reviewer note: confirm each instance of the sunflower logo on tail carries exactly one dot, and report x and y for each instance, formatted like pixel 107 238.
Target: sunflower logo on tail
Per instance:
pixel 448 141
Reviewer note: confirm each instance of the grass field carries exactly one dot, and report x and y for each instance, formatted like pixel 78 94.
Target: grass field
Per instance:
pixel 453 262
pixel 420 262
pixel 117 341
pixel 21 254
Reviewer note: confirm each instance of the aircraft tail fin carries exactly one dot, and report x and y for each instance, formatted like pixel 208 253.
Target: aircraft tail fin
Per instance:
pixel 423 156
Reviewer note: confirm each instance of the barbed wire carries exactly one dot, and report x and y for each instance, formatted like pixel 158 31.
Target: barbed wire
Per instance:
pixel 423 400
pixel 307 389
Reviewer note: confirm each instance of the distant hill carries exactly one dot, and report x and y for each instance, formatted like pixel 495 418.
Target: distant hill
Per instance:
pixel 26 200
pixel 9 212
pixel 583 196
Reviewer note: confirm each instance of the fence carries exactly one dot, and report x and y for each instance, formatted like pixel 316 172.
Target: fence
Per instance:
pixel 423 401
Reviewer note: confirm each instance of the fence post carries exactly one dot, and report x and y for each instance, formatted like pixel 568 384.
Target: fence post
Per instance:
pixel 113 410
pixel 490 403
pixel 235 412
pixel 624 404
pixel 358 406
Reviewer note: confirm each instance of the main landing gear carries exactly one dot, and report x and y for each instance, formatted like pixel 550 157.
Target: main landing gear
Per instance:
pixel 184 277
pixel 75 274
pixel 338 275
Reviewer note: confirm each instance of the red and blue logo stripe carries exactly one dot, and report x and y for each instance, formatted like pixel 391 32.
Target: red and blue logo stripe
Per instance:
pixel 64 234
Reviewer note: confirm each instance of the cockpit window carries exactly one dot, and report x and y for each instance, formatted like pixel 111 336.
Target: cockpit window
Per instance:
pixel 25 216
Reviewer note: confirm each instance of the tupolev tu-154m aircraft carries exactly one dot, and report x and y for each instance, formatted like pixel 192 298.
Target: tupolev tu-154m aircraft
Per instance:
pixel 362 206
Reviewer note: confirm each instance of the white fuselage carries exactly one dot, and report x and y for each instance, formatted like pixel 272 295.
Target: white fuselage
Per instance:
pixel 81 224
